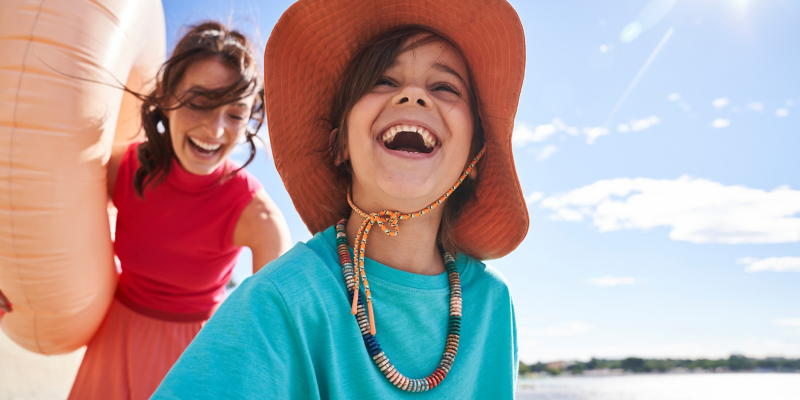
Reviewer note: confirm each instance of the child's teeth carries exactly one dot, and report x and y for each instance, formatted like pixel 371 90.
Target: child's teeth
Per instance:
pixel 427 137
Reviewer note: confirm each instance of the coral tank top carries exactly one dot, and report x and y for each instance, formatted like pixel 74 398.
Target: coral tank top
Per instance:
pixel 175 245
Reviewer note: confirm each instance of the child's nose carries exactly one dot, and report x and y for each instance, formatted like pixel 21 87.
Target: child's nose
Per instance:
pixel 406 100
pixel 413 95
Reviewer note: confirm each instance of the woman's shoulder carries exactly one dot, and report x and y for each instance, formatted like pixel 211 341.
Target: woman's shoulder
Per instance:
pixel 242 178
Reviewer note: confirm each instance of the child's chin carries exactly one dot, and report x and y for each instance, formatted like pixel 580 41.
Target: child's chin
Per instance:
pixel 409 194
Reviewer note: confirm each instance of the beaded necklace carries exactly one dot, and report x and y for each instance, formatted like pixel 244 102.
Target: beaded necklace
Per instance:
pixel 353 271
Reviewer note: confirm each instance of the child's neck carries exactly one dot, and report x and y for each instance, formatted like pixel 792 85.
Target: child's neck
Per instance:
pixel 412 250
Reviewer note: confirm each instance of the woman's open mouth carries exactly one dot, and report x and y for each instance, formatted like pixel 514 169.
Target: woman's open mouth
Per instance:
pixel 409 138
pixel 202 148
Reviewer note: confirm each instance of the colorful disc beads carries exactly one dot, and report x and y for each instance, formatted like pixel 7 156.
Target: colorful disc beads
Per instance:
pixel 371 342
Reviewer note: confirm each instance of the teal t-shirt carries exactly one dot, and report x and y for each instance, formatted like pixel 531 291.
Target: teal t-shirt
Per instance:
pixel 287 333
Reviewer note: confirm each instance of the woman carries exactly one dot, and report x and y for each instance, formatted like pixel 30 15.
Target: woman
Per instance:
pixel 184 212
pixel 421 98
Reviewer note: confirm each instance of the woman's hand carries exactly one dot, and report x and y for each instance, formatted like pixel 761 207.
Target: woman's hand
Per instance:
pixel 263 229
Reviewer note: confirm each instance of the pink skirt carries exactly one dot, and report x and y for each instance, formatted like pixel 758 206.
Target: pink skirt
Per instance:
pixel 130 355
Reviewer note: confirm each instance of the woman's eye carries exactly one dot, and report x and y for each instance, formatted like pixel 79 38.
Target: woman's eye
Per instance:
pixel 237 117
pixel 193 106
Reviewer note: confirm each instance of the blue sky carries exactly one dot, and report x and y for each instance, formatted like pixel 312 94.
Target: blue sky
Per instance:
pixel 657 143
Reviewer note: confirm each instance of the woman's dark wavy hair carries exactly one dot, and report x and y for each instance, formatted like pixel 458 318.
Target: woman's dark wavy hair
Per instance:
pixel 359 77
pixel 206 40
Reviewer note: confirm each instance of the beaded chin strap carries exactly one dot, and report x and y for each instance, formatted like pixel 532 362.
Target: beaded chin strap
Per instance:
pixel 367 327
pixel 391 219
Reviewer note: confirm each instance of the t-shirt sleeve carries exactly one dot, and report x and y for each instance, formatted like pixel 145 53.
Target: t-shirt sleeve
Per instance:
pixel 514 341
pixel 249 349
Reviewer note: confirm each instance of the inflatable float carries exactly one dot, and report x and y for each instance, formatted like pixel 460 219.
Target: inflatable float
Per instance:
pixel 57 125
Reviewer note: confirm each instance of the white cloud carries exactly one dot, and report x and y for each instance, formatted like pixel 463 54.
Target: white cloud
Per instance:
pixel 694 210
pixel 721 123
pixel 534 197
pixel 673 97
pixel 606 281
pixel 781 112
pixel 720 103
pixel 755 106
pixel 644 123
pixel 523 134
pixel 745 260
pixel 636 125
pixel 562 329
pixel 604 48
pixel 592 133
pixel 546 152
pixel 776 264
pixel 790 322
pixel 561 126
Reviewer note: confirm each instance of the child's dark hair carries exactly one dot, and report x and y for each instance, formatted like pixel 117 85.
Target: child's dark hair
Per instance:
pixel 359 78
pixel 203 41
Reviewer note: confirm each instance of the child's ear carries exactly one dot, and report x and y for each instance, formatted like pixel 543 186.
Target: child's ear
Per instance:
pixel 474 173
pixel 338 156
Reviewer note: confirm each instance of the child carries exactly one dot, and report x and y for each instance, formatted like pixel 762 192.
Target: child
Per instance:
pixel 414 171
pixel 184 212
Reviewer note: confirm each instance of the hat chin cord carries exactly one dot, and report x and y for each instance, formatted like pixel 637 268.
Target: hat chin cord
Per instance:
pixel 389 223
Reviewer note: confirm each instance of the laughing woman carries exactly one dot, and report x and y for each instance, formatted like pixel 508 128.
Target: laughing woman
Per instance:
pixel 417 183
pixel 184 213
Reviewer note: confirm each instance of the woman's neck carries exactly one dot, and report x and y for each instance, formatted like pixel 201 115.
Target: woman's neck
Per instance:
pixel 413 249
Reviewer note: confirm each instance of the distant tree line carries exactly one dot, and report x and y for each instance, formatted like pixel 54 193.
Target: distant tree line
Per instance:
pixel 633 364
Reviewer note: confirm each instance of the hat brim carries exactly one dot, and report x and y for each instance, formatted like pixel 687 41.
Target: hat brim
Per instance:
pixel 307 52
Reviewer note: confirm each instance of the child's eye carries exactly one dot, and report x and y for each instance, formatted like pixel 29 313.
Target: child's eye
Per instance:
pixel 237 117
pixel 193 106
pixel 384 81
pixel 447 88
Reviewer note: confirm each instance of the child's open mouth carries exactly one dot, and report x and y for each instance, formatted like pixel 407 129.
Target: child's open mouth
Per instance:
pixel 204 148
pixel 409 138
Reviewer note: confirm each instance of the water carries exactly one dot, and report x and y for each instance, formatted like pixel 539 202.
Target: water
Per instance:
pixel 728 386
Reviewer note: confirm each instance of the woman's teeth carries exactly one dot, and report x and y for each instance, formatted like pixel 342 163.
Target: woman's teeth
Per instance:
pixel 427 137
pixel 205 145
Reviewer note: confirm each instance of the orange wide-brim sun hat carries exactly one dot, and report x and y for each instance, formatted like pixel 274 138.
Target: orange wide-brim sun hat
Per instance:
pixel 306 54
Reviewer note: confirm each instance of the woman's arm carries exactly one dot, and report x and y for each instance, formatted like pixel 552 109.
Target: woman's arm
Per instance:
pixel 263 229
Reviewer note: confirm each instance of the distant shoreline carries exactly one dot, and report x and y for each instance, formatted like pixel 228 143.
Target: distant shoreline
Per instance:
pixel 634 365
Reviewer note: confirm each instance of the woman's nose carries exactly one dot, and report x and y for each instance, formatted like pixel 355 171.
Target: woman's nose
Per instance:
pixel 216 124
